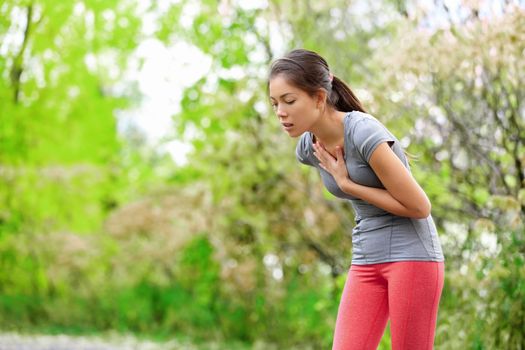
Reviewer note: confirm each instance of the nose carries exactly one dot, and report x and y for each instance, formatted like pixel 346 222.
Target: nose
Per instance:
pixel 280 112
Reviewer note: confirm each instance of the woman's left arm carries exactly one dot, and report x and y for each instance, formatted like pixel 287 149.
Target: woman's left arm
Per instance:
pixel 402 194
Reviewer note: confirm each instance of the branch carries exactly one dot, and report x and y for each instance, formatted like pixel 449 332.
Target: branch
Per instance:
pixel 466 135
pixel 16 70
pixel 512 119
pixel 336 268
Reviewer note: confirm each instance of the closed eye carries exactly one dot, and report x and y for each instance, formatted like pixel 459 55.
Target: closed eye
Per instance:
pixel 274 105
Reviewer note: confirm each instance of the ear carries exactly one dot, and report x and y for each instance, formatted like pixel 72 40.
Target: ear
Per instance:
pixel 320 98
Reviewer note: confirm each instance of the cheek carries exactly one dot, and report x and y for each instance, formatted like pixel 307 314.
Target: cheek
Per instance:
pixel 301 106
pixel 306 110
pixel 308 106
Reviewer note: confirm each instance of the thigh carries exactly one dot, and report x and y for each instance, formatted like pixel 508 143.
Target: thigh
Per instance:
pixel 363 310
pixel 414 289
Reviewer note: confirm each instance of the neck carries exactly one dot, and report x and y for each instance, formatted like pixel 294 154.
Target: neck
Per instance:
pixel 329 128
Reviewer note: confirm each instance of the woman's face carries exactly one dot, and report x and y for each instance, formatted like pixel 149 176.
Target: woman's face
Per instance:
pixel 296 110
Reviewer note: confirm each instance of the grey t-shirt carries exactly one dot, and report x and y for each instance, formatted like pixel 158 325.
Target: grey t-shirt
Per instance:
pixel 379 236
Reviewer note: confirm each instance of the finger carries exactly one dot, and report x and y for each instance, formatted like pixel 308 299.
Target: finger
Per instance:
pixel 318 156
pixel 321 150
pixel 339 152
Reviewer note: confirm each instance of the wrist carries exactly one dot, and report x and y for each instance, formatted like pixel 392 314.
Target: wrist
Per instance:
pixel 345 184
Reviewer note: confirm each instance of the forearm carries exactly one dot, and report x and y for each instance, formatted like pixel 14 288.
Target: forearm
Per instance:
pixel 378 197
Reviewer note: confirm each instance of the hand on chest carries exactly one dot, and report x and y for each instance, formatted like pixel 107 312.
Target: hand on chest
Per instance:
pixel 359 171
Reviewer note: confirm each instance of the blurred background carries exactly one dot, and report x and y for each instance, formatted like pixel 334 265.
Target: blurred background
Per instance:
pixel 147 188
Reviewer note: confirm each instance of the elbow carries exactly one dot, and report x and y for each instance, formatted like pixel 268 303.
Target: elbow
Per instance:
pixel 422 211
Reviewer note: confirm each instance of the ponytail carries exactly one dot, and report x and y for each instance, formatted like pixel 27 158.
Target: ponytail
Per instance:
pixel 343 98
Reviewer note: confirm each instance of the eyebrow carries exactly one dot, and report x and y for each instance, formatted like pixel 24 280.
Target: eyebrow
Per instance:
pixel 288 93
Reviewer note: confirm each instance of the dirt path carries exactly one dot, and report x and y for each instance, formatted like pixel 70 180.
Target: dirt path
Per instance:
pixel 14 341
pixel 113 341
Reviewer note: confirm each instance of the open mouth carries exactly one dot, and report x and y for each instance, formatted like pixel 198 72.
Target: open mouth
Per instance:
pixel 287 125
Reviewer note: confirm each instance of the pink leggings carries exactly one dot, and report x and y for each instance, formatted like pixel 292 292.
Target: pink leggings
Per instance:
pixel 406 291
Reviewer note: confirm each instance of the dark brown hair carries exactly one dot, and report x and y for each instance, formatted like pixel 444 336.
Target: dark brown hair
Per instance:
pixel 309 72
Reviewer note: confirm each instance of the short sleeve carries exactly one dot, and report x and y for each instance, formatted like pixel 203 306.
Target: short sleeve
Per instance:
pixel 368 134
pixel 301 150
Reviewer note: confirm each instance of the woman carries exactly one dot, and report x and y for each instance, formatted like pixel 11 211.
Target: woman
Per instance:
pixel 397 268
